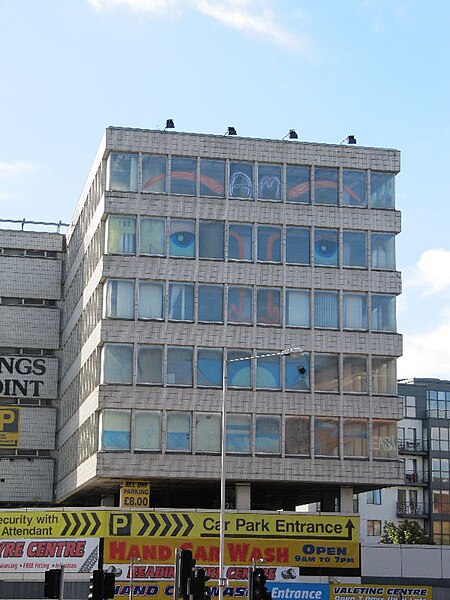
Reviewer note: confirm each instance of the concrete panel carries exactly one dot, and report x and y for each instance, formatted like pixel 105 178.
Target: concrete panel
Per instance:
pixel 22 277
pixel 28 327
pixel 26 480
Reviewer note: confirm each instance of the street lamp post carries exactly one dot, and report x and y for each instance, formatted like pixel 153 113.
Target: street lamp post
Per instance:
pixel 223 451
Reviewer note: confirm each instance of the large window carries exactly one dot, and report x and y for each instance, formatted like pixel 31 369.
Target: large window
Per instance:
pixel 325 186
pixel 121 235
pixel 209 367
pixel 268 306
pixel 210 303
pixel 384 375
pixel 268 370
pixel 326 373
pixel 440 469
pixel 354 250
pixel 240 242
pixel 182 238
pixel 269 244
pixel 373 527
pixel 211 240
pixel 151 300
pixel 383 313
pixel 150 365
pixel 118 363
pixel 382 190
pixel 297 184
pixel 239 368
pixel 355 374
pixel 153 237
pixel 297 245
pixel 383 250
pixel 178 438
pixel 212 178
pixel 326 309
pixel 297 373
pixel 120 298
pixel 354 188
pixel 179 366
pixel 183 176
pixel 268 434
pixel 207 432
pixel 355 438
pixel 326 247
pixel 269 182
pixel 384 438
pixel 181 302
pixel 122 170
pixel 147 430
pixel 297 436
pixel 354 311
pixel 241 180
pixel 115 428
pixel 297 308
pixel 240 305
pixel 238 433
pixel 440 439
pixel 154 173
pixel 326 436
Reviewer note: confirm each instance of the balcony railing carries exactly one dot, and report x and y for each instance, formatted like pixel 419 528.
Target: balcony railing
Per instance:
pixel 415 477
pixel 407 509
pixel 411 445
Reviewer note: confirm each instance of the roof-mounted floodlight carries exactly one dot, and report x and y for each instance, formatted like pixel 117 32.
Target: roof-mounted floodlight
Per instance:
pixel 231 131
pixel 291 134
pixel 350 139
pixel 169 124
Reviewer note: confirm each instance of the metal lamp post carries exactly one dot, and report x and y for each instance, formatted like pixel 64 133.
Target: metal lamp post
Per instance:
pixel 286 352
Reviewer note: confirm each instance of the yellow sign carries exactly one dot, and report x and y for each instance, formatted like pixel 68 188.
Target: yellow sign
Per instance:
pixel 9 426
pixel 380 592
pixel 135 494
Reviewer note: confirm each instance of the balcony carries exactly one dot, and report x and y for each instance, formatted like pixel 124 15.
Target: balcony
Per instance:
pixel 406 509
pixel 412 445
pixel 416 477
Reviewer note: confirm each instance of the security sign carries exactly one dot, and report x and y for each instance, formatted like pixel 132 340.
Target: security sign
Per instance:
pixel 9 426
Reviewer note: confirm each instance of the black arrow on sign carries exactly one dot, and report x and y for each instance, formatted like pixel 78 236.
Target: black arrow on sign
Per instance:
pixel 189 525
pixel 77 524
pixel 87 523
pixel 97 523
pixel 67 525
pixel 146 524
pixel 166 520
pixel 177 529
pixel 349 526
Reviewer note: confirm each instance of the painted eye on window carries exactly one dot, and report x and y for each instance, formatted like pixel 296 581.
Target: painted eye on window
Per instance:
pixel 182 239
pixel 325 248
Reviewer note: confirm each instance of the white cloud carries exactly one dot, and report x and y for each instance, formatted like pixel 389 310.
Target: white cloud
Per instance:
pixel 432 272
pixel 250 16
pixel 427 354
pixel 13 169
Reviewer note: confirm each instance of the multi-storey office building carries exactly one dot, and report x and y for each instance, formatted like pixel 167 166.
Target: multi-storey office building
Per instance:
pixel 30 293
pixel 187 251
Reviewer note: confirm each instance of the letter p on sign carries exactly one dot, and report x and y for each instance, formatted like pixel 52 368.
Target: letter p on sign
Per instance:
pixel 8 416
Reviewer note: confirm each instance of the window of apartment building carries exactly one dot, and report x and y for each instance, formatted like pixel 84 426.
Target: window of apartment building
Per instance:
pixel 239 371
pixel 121 235
pixel 355 374
pixel 326 372
pixel 441 502
pixel 384 375
pixel 326 436
pixel 384 438
pixel 238 433
pixel 354 188
pixel 178 435
pixel 240 242
pixel 298 184
pixel 326 249
pixel 210 303
pixel 269 182
pixel 118 363
pixel 326 312
pixel 355 438
pixel 119 298
pixel 182 238
pixel 209 367
pixel 440 439
pixel 374 497
pixel 298 245
pixel 382 190
pixel 181 302
pixel 151 300
pixel 115 427
pixel 179 366
pixel 373 527
pixel 240 305
pixel 207 432
pixel 152 240
pixel 441 532
pixel 354 253
pixel 268 434
pixel 183 175
pixel 409 406
pixel 211 240
pixel 267 370
pixel 383 313
pixel 147 430
pixel 212 178
pixel 269 243
pixel 154 172
pixel 122 172
pixel 440 469
pixel 241 180
pixel 297 308
pixel 268 306
pixel 296 372
pixel 150 365
pixel 354 309
pixel 383 250
pixel 325 186
pixel 438 404
pixel 297 436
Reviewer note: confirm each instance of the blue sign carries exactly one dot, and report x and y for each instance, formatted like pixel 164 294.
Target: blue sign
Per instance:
pixel 299 591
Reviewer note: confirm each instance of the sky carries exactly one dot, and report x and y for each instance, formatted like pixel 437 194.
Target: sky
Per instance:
pixel 377 69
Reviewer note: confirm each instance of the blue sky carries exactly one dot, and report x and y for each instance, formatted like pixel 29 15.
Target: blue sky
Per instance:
pixel 378 69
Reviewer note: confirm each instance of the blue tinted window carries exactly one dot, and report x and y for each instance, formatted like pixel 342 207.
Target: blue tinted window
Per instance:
pixel 212 178
pixel 181 302
pixel 240 242
pixel 267 371
pixel 209 367
pixel 179 366
pixel 241 180
pixel 326 372
pixel 383 251
pixel 268 311
pixel 239 371
pixel 354 188
pixel 296 373
pixel 382 190
pixel 297 184
pixel 383 312
pixel 116 429
pixel 183 176
pixel 297 245
pixel 210 303
pixel 121 235
pixel 269 244
pixel 354 311
pixel 153 237
pixel 354 250
pixel 154 173
pixel 178 432
pixel 269 182
pixel 325 186
pixel 182 238
pixel 268 434
pixel 326 247
pixel 297 308
pixel 238 433
pixel 211 240
pixel 123 172
pixel 326 309
pixel 240 304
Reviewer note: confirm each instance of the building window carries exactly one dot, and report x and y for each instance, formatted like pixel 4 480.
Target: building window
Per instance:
pixel 441 502
pixel 440 439
pixel 373 527
pixel 241 180
pixel 147 430
pixel 240 242
pixel 267 434
pixel 154 173
pixel 384 438
pixel 120 298
pixel 326 310
pixel 209 367
pixel 354 311
pixel 179 366
pixel 355 374
pixel 326 247
pixel 268 306
pixel 383 313
pixel 297 245
pixel 269 244
pixel 207 432
pixel 326 436
pixel 238 433
pixel 354 188
pixel 374 497
pixel 354 252
pixel 296 373
pixel 441 532
pixel 240 305
pixel 239 371
pixel 438 404
pixel 297 434
pixel 178 437
pixel 150 365
pixel 325 186
pixel 183 176
pixel 382 190
pixel 297 185
pixel 383 251
pixel 210 303
pixel 212 178
pixel 269 182
pixel 440 470
pixel 182 239
pixel 115 427
pixel 121 235
pixel 122 170
pixel 409 406
pixel 267 370
pixel 118 363
pixel 326 373
pixel 181 302
pixel 211 240
pixel 355 438
pixel 151 300
pixel 384 375
pixel 297 308
pixel 152 237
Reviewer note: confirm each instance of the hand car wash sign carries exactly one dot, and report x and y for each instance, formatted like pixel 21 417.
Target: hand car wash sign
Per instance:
pixel 28 376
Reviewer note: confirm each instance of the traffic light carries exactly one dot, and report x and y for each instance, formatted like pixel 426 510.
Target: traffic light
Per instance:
pixel 196 584
pixel 186 565
pixel 96 585
pixel 109 584
pixel 258 590
pixel 52 583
